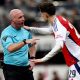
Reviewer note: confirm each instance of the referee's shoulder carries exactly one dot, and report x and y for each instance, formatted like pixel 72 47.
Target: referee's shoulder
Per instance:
pixel 6 31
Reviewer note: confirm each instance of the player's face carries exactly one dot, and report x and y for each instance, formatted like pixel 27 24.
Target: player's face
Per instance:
pixel 19 20
pixel 44 15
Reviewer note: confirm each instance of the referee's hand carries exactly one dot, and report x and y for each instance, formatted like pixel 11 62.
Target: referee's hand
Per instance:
pixel 32 64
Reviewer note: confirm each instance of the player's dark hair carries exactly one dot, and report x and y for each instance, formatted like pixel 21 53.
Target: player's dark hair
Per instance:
pixel 48 8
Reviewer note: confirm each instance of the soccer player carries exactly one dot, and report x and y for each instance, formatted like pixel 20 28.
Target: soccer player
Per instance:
pixel 66 37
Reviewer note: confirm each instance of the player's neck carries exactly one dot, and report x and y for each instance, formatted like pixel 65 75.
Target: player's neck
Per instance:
pixel 51 19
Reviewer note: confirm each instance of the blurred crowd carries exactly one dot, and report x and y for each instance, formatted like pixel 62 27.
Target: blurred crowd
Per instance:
pixel 67 8
pixel 48 72
pixel 42 76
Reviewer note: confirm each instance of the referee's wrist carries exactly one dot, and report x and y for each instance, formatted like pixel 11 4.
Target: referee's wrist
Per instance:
pixel 32 57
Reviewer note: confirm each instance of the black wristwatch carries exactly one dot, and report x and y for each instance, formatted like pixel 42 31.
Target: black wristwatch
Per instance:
pixel 24 40
pixel 32 57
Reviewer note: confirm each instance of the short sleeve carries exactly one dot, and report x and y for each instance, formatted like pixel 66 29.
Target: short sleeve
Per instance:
pixel 6 41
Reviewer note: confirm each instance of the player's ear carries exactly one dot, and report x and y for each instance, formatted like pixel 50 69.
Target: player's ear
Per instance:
pixel 47 15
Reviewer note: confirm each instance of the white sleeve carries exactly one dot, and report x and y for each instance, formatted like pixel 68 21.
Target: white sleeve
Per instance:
pixel 53 52
pixel 60 36
pixel 41 30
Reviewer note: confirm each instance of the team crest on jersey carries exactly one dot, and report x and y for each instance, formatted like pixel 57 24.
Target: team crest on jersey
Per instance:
pixel 5 38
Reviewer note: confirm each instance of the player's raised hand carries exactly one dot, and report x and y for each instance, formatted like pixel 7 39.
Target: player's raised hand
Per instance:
pixel 36 60
pixel 26 27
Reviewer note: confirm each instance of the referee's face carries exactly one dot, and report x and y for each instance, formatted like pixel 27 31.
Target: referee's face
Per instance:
pixel 19 19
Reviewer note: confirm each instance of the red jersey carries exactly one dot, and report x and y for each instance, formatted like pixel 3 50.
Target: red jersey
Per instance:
pixel 66 32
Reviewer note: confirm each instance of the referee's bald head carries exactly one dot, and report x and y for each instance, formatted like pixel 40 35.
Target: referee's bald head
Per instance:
pixel 13 13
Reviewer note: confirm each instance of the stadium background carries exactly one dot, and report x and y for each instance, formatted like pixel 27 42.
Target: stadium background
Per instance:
pixel 55 67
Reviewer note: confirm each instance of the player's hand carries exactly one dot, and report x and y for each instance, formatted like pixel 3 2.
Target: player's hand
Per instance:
pixel 37 61
pixel 26 27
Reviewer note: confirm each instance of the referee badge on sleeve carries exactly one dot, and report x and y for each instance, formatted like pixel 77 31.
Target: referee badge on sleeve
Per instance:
pixel 4 38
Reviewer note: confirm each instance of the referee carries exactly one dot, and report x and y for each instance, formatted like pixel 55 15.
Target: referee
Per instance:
pixel 17 43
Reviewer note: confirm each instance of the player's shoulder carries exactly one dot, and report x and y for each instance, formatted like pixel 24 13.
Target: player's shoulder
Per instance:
pixel 64 22
pixel 61 18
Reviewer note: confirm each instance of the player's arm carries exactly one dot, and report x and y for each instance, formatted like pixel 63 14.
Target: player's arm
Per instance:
pixel 39 30
pixel 54 50
pixel 60 37
pixel 52 53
